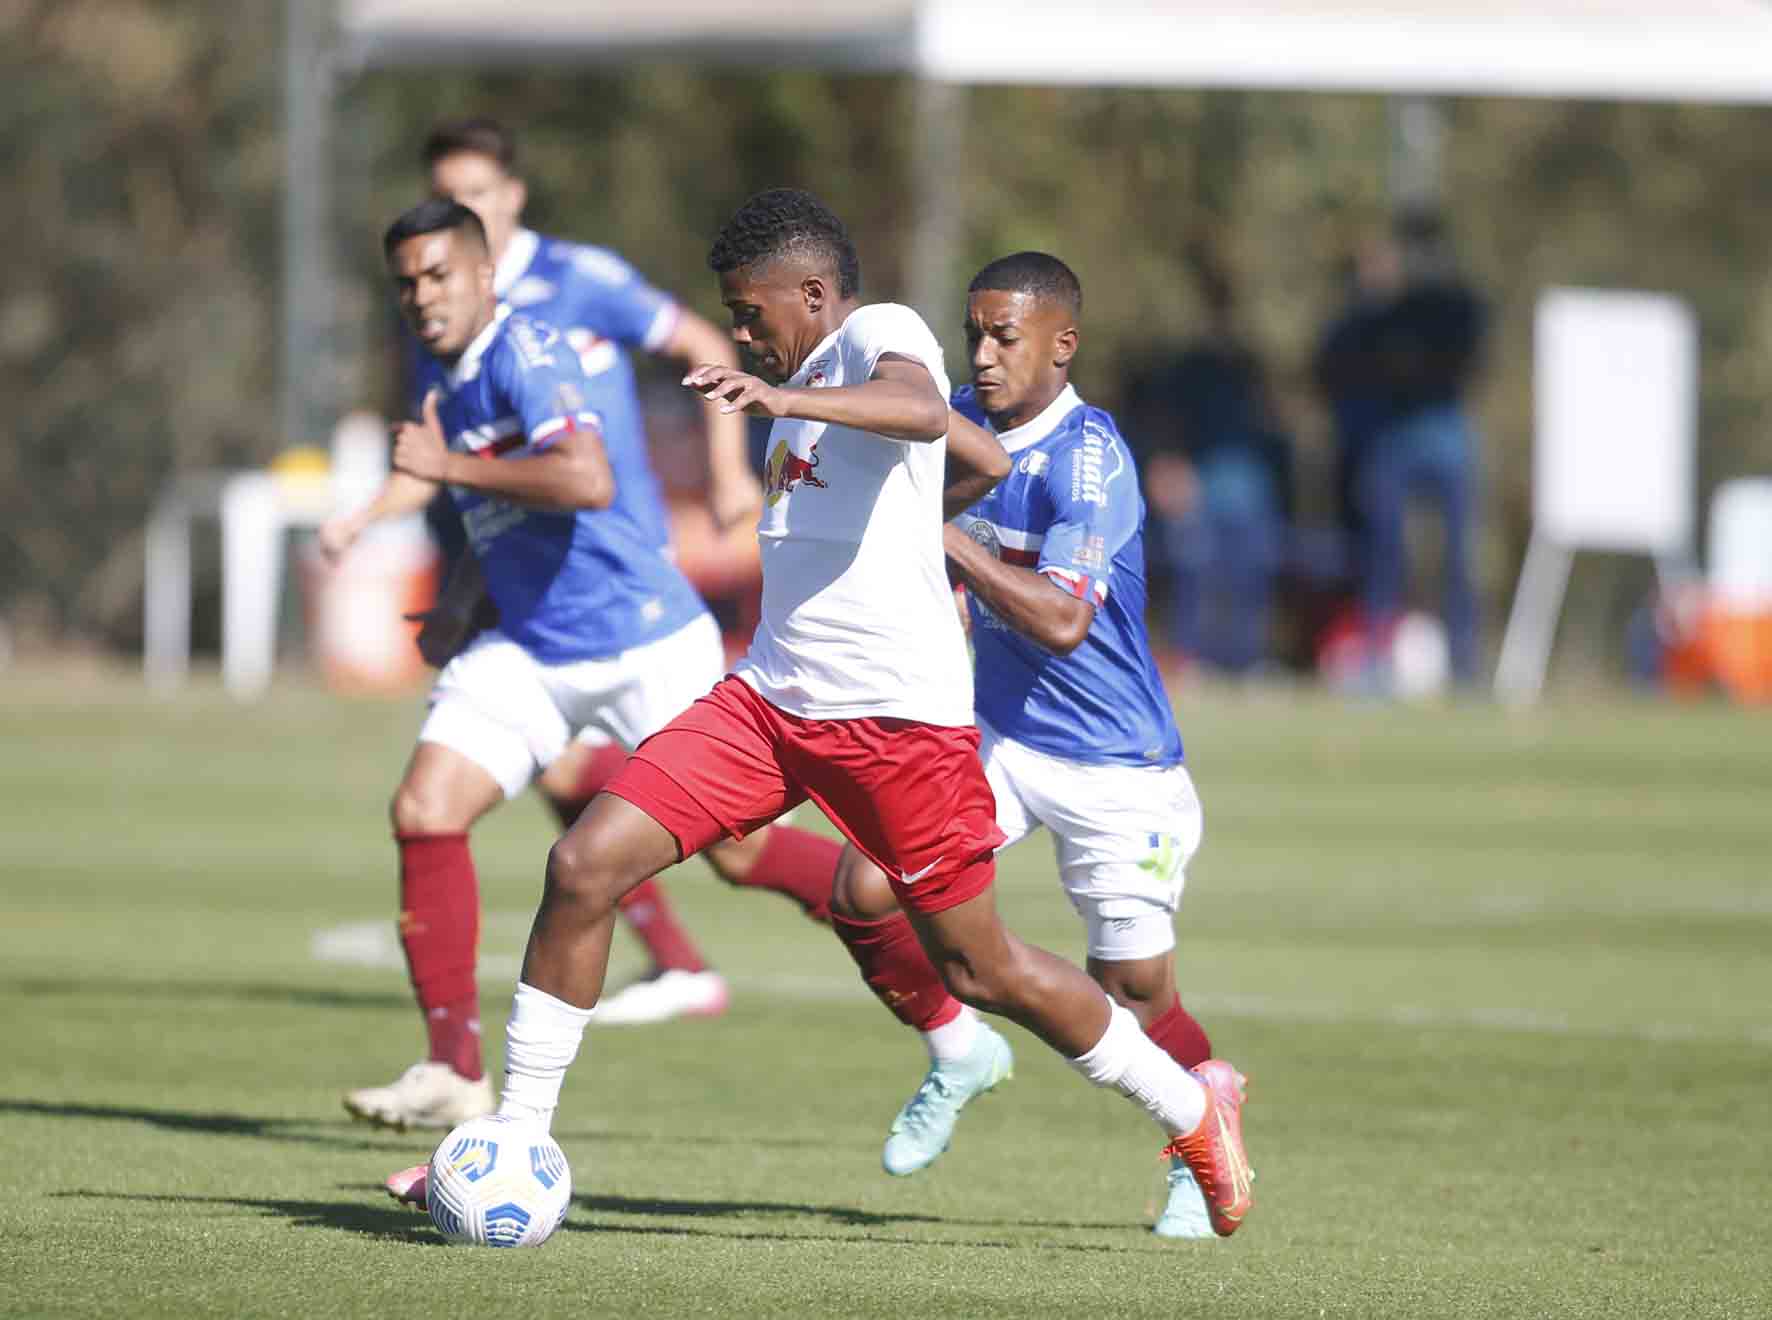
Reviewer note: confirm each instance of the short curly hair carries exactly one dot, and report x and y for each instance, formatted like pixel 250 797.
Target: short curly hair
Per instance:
pixel 1038 274
pixel 783 221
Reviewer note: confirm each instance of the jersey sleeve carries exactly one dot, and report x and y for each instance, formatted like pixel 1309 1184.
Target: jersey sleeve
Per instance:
pixel 1096 510
pixel 616 301
pixel 542 384
pixel 965 402
pixel 873 331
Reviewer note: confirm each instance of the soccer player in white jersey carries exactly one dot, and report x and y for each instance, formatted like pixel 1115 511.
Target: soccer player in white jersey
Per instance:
pixel 1077 732
pixel 856 693
pixel 608 312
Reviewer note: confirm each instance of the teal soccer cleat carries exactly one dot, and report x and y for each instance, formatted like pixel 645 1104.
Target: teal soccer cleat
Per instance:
pixel 1185 1215
pixel 925 1125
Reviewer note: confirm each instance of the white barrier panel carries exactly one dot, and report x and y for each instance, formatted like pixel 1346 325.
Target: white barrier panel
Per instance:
pixel 1740 548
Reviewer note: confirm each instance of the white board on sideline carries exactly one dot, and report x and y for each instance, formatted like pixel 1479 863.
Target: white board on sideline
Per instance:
pixel 1615 407
pixel 1615 383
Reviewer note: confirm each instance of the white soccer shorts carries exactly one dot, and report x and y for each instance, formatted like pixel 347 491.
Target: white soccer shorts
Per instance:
pixel 1123 836
pixel 512 715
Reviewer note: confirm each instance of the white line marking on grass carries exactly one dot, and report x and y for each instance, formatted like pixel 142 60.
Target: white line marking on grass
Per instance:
pixel 374 944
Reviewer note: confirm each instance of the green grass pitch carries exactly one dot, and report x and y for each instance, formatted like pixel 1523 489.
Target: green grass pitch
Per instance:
pixel 1501 985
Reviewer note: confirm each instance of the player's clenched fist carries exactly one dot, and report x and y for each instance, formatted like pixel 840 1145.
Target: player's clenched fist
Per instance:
pixel 737 391
pixel 338 534
pixel 419 447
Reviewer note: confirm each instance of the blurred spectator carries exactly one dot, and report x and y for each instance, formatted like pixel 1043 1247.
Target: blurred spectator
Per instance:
pixel 1218 479
pixel 1346 369
pixel 1395 367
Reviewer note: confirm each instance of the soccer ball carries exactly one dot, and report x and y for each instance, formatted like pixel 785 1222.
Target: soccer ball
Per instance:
pixel 495 1182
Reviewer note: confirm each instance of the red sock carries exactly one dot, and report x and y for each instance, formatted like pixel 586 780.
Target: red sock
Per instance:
pixel 653 920
pixel 897 970
pixel 797 864
pixel 599 768
pixel 439 929
pixel 1180 1037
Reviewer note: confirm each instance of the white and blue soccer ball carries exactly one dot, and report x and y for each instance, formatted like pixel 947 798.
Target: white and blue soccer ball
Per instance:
pixel 496 1182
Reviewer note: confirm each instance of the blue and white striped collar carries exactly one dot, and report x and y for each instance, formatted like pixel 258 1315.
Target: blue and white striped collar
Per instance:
pixel 1037 428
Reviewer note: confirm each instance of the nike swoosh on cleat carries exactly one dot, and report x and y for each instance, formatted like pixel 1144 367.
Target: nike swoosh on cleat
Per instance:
pixel 1242 1178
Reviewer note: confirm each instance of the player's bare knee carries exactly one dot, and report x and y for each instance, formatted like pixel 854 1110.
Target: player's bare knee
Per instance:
pixel 988 986
pixel 417 809
pixel 1142 1004
pixel 577 876
pixel 1145 987
pixel 971 989
pixel 860 891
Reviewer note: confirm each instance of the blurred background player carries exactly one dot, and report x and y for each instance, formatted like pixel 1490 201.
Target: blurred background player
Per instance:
pixel 1396 368
pixel 1077 732
pixel 1218 470
pixel 856 692
pixel 606 309
pixel 595 625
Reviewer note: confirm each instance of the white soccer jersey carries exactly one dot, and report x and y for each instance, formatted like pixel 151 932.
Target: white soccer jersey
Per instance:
pixel 858 618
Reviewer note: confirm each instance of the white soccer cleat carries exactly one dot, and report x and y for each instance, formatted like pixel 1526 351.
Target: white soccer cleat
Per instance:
pixel 426 1095
pixel 663 996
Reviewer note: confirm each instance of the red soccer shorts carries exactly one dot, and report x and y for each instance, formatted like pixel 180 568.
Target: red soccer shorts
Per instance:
pixel 912 797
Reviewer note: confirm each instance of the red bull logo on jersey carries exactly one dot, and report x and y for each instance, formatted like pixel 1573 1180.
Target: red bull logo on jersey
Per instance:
pixel 786 469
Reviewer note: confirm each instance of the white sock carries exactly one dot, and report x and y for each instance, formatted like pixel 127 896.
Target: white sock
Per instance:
pixel 953 1041
pixel 1132 1063
pixel 541 1042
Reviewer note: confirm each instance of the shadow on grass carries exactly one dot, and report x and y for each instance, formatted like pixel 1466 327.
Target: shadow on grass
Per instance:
pixel 341 1133
pixel 249 992
pixel 920 1242
pixel 574 1136
pixel 846 1215
pixel 330 1132
pixel 388 1224
pixel 346 1216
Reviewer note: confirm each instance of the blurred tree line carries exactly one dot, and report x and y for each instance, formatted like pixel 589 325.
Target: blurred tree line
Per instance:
pixel 139 305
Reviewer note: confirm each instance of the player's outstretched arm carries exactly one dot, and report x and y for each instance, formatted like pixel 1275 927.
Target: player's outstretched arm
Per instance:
pixel 1029 602
pixel 570 473
pixel 399 495
pixel 976 463
pixel 900 401
pixel 734 493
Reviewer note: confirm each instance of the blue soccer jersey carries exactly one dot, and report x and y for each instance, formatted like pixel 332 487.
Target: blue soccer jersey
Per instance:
pixel 568 586
pixel 604 308
pixel 1070 509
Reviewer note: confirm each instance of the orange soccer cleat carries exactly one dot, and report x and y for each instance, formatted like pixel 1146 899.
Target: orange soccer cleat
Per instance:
pixel 1214 1150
